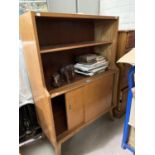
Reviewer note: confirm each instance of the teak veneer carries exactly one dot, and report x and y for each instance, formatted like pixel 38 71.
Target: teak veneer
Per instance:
pixel 73 46
pixel 53 40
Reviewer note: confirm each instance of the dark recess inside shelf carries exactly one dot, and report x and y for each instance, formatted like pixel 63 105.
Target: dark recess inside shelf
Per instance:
pixel 57 31
pixel 59 113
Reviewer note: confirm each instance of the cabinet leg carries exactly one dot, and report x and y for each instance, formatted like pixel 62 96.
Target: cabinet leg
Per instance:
pixel 111 114
pixel 58 149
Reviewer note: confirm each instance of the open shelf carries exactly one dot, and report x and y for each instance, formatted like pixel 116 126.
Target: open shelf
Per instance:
pixel 59 114
pixel 72 46
pixel 79 81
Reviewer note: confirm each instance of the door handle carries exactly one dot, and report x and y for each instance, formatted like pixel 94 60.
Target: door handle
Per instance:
pixel 88 80
pixel 70 106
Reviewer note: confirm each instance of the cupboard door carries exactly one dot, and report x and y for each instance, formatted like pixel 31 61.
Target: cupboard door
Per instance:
pixel 75 108
pixel 98 96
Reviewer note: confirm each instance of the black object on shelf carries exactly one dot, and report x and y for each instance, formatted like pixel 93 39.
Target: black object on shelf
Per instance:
pixel 57 80
pixel 28 124
pixel 68 72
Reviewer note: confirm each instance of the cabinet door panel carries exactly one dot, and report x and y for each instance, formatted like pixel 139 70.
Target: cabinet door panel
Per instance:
pixel 75 108
pixel 98 96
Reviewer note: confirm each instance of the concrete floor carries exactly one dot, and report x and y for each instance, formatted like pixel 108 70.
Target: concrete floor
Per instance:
pixel 103 137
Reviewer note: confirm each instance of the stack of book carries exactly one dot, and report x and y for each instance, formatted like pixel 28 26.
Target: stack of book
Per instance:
pixel 90 64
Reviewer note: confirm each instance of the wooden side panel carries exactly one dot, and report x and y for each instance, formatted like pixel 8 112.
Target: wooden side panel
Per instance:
pixel 108 31
pixel 45 116
pixel 98 96
pixel 75 108
pixel 35 73
pixel 31 53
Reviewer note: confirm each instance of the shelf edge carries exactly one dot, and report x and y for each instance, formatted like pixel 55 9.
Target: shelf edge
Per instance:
pixel 74 46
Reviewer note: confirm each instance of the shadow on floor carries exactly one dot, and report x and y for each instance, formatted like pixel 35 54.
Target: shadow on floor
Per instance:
pixel 93 137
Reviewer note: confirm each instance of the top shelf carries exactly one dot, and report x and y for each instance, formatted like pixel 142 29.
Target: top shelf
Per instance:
pixel 64 47
pixel 75 16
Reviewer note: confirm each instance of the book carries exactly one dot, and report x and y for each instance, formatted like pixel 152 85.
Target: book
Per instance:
pixel 89 73
pixel 83 67
pixel 91 64
pixel 87 58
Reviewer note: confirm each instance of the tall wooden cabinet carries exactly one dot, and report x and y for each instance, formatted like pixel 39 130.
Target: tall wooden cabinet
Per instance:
pixel 126 41
pixel 52 40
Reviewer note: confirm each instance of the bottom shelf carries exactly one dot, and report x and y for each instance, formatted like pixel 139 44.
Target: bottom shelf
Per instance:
pixel 68 134
pixel 59 114
pixel 80 80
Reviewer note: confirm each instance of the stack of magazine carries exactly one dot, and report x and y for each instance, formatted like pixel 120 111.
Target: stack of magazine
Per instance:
pixel 90 64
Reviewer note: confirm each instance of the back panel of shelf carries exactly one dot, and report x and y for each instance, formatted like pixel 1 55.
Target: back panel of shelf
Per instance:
pixel 57 31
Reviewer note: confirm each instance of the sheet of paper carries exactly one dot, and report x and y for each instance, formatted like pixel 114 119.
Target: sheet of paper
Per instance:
pixel 128 58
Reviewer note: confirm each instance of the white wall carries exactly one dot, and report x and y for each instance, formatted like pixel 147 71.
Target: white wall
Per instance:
pixel 62 6
pixel 74 6
pixel 90 7
pixel 125 9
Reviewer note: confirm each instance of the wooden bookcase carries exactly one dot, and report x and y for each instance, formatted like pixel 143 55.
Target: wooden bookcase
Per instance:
pixel 52 40
pixel 126 41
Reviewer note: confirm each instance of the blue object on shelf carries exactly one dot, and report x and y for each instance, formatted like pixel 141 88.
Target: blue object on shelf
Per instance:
pixel 131 84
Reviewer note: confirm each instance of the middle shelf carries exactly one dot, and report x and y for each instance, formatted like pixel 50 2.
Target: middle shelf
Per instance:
pixel 64 47
pixel 79 81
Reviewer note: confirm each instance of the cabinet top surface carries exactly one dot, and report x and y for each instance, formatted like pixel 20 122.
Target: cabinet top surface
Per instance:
pixel 66 15
pixel 129 30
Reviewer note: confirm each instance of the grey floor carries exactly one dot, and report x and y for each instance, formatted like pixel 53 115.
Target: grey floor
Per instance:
pixel 103 137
